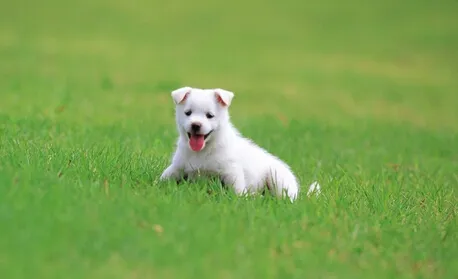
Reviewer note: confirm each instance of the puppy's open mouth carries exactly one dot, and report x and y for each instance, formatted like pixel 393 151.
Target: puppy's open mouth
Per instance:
pixel 196 141
pixel 197 135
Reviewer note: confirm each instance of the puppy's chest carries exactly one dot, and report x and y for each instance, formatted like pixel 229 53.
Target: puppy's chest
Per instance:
pixel 203 164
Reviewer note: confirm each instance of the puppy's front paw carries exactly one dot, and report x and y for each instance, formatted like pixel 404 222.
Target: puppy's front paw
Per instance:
pixel 168 173
pixel 241 191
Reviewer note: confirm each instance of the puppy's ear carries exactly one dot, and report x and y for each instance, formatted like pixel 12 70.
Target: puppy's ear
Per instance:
pixel 180 95
pixel 224 97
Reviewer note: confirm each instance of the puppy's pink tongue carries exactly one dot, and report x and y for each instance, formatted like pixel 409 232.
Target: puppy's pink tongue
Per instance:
pixel 196 142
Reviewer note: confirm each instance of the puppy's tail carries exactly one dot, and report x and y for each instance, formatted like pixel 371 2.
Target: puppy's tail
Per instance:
pixel 314 189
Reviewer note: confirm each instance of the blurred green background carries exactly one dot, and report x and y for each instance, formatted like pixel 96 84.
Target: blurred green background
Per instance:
pixel 360 95
pixel 333 61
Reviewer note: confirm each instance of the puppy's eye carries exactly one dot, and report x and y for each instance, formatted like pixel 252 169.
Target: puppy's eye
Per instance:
pixel 209 115
pixel 188 113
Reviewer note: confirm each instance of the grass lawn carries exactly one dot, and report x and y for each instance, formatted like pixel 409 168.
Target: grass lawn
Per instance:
pixel 359 95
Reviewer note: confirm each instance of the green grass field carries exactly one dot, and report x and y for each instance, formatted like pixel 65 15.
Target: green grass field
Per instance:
pixel 359 95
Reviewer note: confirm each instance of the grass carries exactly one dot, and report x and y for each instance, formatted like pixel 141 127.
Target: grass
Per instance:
pixel 361 96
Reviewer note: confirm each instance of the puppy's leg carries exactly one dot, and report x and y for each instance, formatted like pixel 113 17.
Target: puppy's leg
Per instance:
pixel 174 171
pixel 282 182
pixel 170 172
pixel 234 176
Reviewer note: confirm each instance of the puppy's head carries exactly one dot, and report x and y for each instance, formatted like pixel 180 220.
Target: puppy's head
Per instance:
pixel 200 113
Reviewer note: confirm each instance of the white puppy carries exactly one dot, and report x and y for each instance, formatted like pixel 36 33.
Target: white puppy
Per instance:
pixel 209 143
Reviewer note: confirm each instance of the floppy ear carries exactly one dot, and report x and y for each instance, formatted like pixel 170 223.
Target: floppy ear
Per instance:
pixel 180 95
pixel 224 97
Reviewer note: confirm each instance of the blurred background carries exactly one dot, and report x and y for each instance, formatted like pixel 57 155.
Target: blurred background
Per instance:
pixel 107 61
pixel 365 91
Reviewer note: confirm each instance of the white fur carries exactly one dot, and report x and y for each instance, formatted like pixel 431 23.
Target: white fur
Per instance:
pixel 236 160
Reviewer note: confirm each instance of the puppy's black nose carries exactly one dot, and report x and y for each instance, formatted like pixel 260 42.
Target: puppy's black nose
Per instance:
pixel 195 127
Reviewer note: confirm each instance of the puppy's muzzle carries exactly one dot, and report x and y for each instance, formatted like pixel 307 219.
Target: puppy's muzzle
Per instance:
pixel 195 127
